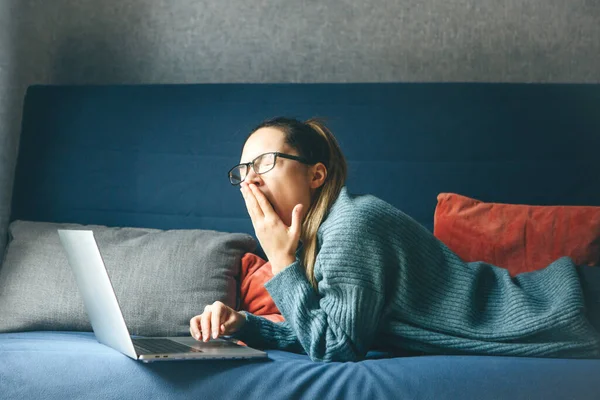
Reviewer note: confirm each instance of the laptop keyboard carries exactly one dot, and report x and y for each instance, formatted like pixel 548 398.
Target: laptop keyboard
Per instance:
pixel 161 346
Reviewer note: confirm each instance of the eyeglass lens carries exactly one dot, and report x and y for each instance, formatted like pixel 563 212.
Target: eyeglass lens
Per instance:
pixel 261 164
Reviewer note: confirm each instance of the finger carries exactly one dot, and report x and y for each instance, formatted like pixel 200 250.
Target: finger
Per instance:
pixel 194 327
pixel 243 192
pixel 234 322
pixel 251 203
pixel 227 325
pixel 215 322
pixel 296 227
pixel 205 323
pixel 262 201
pixel 197 329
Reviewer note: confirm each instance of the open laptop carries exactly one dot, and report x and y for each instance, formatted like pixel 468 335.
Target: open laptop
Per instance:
pixel 107 319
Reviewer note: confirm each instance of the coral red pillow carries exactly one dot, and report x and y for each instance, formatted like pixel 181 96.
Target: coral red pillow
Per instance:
pixel 253 295
pixel 517 237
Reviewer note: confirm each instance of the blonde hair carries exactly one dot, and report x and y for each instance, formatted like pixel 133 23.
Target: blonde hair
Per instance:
pixel 323 199
pixel 316 143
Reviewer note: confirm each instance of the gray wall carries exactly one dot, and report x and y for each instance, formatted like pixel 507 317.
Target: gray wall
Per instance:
pixel 134 41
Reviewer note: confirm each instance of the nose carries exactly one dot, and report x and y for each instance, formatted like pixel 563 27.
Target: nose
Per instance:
pixel 253 177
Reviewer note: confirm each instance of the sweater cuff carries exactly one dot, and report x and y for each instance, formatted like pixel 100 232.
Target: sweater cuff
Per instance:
pixel 257 332
pixel 261 333
pixel 250 331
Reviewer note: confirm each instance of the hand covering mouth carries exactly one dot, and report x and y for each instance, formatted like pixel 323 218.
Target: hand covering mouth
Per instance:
pixel 268 200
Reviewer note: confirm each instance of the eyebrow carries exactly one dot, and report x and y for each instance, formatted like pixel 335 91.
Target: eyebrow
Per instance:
pixel 264 152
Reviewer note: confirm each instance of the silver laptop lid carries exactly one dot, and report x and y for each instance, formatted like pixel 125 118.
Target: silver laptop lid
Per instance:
pixel 96 289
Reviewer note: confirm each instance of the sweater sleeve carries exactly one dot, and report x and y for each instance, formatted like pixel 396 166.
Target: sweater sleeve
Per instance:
pixel 265 334
pixel 340 321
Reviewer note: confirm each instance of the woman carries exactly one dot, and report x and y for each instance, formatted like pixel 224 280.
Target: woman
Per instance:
pixel 353 272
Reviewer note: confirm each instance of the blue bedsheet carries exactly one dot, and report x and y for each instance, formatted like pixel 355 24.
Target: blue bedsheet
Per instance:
pixel 73 365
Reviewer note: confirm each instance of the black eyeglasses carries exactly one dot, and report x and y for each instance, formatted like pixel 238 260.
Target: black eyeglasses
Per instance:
pixel 261 164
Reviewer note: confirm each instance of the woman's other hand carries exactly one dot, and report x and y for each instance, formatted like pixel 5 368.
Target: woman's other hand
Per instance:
pixel 216 320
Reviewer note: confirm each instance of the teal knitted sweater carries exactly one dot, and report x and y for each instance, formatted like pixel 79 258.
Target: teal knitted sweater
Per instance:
pixel 385 281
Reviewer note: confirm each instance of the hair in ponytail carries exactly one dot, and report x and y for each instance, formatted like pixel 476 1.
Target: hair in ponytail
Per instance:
pixel 315 142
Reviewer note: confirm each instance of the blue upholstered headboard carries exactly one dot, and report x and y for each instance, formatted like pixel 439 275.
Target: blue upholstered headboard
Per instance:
pixel 157 155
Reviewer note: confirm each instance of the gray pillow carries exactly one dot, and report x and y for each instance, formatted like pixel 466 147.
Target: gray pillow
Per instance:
pixel 161 278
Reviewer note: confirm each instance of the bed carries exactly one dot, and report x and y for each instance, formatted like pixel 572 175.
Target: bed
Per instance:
pixel 155 157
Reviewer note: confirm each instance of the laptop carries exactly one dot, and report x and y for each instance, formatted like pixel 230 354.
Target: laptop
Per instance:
pixel 107 320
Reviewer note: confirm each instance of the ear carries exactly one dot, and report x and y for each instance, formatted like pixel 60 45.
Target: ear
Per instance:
pixel 318 175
